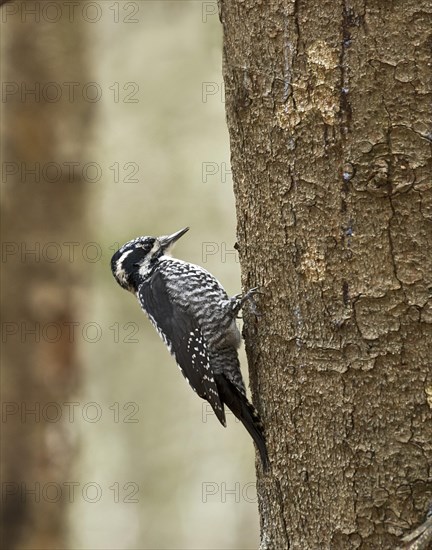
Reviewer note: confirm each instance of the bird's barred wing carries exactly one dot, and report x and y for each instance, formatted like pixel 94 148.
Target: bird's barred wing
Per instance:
pixel 183 337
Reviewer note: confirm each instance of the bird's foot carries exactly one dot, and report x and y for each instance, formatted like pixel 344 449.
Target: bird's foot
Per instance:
pixel 239 300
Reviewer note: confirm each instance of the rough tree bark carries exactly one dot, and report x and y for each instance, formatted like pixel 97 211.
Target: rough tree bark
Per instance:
pixel 42 208
pixel 328 110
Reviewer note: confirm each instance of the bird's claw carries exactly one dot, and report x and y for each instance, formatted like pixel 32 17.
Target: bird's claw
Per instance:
pixel 240 299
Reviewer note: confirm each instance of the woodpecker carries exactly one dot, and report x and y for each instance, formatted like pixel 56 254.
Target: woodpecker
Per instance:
pixel 197 321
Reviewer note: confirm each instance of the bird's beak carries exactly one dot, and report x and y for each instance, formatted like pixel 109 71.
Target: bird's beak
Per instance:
pixel 169 240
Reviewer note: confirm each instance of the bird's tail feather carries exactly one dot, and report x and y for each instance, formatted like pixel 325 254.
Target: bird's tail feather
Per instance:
pixel 238 403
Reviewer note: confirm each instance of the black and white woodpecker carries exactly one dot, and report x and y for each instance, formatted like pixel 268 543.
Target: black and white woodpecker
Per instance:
pixel 197 321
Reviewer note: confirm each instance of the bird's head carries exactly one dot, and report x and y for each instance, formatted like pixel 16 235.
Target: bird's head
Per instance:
pixel 136 259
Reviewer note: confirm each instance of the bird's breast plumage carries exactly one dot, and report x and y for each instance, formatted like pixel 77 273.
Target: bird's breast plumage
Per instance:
pixel 200 294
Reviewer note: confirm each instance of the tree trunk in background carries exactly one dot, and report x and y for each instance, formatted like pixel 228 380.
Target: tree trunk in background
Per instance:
pixel 42 290
pixel 329 113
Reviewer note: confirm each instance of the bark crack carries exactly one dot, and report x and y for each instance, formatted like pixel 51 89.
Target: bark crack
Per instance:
pixel 282 505
pixel 344 105
pixel 391 244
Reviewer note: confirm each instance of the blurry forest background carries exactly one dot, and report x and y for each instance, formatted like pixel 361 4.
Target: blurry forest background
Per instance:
pixel 169 476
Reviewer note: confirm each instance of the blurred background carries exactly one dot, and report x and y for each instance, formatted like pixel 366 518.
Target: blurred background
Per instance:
pixel 113 126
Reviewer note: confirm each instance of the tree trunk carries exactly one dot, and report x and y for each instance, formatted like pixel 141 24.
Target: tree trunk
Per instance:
pixel 43 208
pixel 328 112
